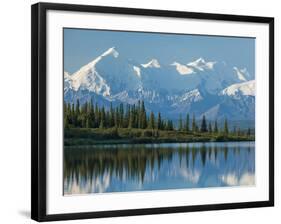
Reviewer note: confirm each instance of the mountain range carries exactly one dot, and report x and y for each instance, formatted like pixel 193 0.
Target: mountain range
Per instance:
pixel 200 87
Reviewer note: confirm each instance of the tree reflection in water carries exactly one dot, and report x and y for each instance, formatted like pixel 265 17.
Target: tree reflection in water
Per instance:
pixel 116 168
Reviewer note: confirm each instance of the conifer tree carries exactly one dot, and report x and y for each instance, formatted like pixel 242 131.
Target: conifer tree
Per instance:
pixel 216 130
pixel 170 125
pixel 116 117
pixel 225 129
pixel 180 123
pixel 159 121
pixel 187 123
pixel 210 129
pixel 204 125
pixel 73 115
pixel 143 121
pixel 138 115
pixel 121 115
pixel 102 118
pixel 88 123
pixel 127 116
pixel 111 116
pixel 193 124
pixel 77 108
pixel 134 116
pixel 151 121
pixel 97 116
pixel 92 119
pixel 107 119
pixel 131 119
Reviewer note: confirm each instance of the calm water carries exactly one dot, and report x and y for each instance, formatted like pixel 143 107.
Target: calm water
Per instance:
pixel 119 168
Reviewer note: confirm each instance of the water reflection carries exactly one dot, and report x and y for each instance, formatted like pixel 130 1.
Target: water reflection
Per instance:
pixel 119 168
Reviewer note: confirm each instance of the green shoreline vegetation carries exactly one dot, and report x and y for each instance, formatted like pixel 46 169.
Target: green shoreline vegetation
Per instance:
pixel 89 124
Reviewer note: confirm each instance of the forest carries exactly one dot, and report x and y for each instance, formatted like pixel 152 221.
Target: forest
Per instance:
pixel 90 123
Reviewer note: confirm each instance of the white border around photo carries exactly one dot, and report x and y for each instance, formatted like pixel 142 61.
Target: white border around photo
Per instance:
pixel 57 203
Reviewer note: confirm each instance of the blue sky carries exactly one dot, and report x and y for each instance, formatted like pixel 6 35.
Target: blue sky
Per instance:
pixel 83 45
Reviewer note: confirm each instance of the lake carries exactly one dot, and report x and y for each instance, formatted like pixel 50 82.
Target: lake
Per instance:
pixel 138 167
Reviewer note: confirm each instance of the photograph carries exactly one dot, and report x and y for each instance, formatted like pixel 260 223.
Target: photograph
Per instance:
pixel 152 111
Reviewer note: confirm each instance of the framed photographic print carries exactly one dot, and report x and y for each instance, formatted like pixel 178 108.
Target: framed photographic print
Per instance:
pixel 138 111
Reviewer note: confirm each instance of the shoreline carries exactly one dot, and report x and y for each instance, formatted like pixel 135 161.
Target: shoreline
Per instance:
pixel 80 137
pixel 90 142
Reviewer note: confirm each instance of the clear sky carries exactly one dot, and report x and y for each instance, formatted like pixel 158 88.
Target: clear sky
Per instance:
pixel 83 45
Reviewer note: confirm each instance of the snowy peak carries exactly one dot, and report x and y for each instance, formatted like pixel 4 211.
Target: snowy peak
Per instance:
pixel 111 51
pixel 200 61
pixel 81 76
pixel 152 64
pixel 66 75
pixel 241 73
pixel 244 88
pixel 137 71
pixel 201 64
pixel 182 69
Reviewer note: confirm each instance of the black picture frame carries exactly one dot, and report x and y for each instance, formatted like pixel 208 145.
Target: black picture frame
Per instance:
pixel 39 108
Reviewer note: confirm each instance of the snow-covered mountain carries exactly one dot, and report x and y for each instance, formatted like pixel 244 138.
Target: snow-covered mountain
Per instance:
pixel 200 87
pixel 240 89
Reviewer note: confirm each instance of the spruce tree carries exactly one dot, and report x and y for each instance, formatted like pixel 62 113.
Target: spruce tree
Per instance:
pixel 225 129
pixel 138 115
pixel 127 116
pixel 117 118
pixel 73 115
pixel 159 121
pixel 97 116
pixel 187 123
pixel 92 119
pixel 111 116
pixel 77 107
pixel 102 118
pixel 193 124
pixel 170 125
pixel 88 123
pixel 107 119
pixel 204 125
pixel 131 118
pixel 143 121
pixel 210 129
pixel 121 115
pixel 180 124
pixel 216 130
pixel 78 114
pixel 134 116
pixel 151 124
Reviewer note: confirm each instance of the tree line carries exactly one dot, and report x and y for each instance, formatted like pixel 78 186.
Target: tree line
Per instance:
pixel 90 115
